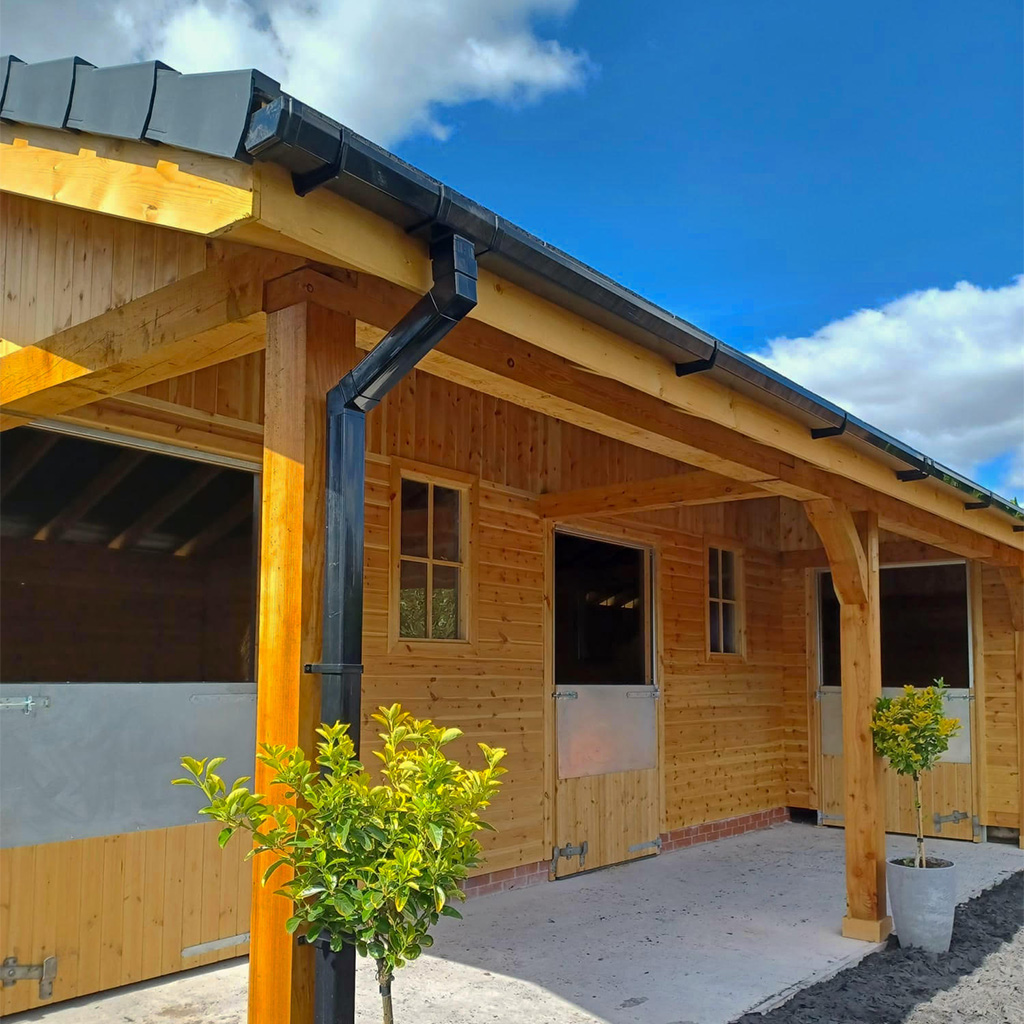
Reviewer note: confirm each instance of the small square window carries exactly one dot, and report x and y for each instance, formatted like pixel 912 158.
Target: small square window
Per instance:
pixel 724 611
pixel 431 570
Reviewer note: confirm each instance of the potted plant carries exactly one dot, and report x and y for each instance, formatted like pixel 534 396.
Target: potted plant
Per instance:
pixel 373 864
pixel 910 733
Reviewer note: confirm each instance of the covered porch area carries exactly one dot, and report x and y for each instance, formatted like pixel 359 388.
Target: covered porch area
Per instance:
pixel 697 936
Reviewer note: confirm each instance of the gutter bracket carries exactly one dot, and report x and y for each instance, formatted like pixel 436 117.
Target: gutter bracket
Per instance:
pixel 303 184
pixel 906 476
pixel 698 365
pixel 974 506
pixel 817 433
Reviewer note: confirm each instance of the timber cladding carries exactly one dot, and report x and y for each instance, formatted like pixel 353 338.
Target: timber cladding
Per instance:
pixel 1000 708
pixel 120 909
pixel 724 737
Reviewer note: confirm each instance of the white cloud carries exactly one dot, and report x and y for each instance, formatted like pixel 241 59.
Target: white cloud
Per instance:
pixel 386 68
pixel 941 370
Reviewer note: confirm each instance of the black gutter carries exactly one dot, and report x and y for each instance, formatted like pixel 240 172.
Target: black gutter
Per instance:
pixel 359 391
pixel 321 153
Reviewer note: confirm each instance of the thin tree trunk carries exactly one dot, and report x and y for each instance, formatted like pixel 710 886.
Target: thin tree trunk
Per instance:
pixel 384 977
pixel 919 858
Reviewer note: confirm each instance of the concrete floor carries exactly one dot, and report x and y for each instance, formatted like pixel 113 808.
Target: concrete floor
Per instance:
pixel 693 937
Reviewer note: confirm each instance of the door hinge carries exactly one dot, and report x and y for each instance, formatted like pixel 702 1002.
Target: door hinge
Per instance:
pixel 569 851
pixel 565 695
pixel 11 971
pixel 24 704
pixel 653 844
pixel 954 816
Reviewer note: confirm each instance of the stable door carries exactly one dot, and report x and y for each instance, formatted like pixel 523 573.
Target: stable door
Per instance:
pixel 606 705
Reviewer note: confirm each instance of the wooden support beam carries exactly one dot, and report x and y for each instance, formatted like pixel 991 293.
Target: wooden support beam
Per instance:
pixel 346 234
pixel 90 496
pixel 846 557
pixel 481 357
pixel 132 180
pixel 854 563
pixel 21 465
pixel 206 318
pixel 700 487
pixel 167 423
pixel 1013 581
pixel 218 528
pixel 979 681
pixel 308 351
pixel 165 507
pixel 894 552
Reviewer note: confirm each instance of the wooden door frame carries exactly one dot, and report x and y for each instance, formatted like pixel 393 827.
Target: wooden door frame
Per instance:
pixel 626 535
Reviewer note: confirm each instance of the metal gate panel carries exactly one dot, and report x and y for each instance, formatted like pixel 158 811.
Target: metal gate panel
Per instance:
pixel 79 760
pixel 603 729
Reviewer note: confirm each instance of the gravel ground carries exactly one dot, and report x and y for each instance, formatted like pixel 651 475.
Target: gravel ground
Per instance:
pixel 979 981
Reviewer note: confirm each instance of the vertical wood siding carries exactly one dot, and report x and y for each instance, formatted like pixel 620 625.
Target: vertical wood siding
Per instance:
pixel 120 909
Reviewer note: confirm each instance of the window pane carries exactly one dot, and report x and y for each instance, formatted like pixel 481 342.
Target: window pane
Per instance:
pixel 446 524
pixel 714 613
pixel 445 603
pixel 414 518
pixel 728 575
pixel 728 628
pixel 412 600
pixel 713 572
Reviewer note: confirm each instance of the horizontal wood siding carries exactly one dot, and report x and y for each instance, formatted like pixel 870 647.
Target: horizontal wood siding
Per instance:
pixel 723 731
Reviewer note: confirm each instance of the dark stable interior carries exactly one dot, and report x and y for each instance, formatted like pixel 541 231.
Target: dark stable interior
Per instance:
pixel 600 614
pixel 120 565
pixel 924 626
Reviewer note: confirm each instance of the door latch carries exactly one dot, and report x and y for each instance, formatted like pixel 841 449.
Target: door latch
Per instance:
pixel 568 851
pixel 11 971
pixel 565 695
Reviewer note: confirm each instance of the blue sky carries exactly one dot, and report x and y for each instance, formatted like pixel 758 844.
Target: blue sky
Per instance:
pixel 835 187
pixel 763 168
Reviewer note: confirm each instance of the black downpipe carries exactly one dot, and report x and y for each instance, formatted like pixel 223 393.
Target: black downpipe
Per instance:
pixel 452 297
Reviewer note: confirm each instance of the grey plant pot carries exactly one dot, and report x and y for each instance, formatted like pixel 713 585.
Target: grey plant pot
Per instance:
pixel 923 902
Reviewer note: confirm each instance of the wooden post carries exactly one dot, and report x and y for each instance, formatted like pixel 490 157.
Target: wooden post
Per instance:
pixel 1013 580
pixel 979 706
pixel 853 559
pixel 308 351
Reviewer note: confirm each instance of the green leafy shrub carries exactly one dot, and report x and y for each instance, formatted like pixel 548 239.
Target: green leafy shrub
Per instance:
pixel 911 734
pixel 375 865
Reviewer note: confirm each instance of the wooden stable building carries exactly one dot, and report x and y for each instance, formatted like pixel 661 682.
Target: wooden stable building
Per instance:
pixel 669 581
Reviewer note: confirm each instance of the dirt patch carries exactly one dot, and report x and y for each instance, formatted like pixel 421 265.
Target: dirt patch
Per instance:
pixel 978 981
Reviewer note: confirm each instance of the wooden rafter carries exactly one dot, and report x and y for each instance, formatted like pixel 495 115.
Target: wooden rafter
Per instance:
pixel 165 507
pixel 218 528
pixel 699 487
pixel 13 472
pixel 206 318
pixel 839 537
pixel 94 492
